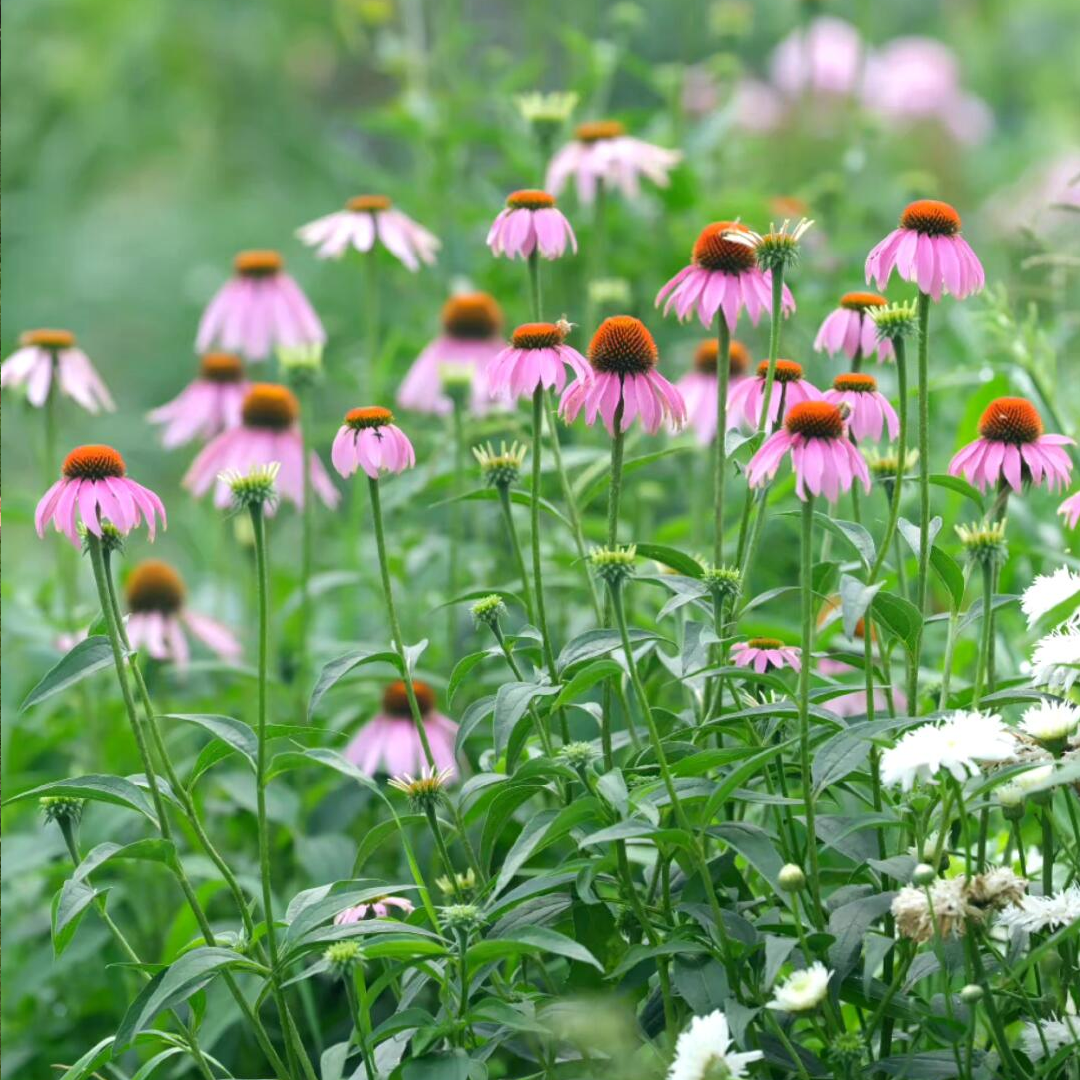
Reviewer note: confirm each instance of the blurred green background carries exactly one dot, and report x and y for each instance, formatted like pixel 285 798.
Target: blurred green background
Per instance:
pixel 144 142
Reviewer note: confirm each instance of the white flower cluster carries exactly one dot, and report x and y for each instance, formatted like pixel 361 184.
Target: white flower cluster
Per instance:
pixel 802 990
pixel 957 745
pixel 1057 1033
pixel 1036 913
pixel 1055 660
pixel 704 1051
pixel 1049 591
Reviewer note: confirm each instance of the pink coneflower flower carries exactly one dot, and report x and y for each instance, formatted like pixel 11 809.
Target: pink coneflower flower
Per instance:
pixel 158 616
pixel 746 398
pixel 269 432
pixel 530 222
pixel 365 219
pixel 602 153
pixel 1070 510
pixel 624 378
pixel 763 653
pixel 470 341
pixel 823 457
pixel 850 330
pixel 44 353
pixel 698 386
pixel 390 743
pixel 825 58
pixel 1012 447
pixel 928 249
pixel 94 488
pixel 373 909
pixel 869 411
pixel 536 356
pixel 370 440
pixel 723 275
pixel 258 309
pixel 210 404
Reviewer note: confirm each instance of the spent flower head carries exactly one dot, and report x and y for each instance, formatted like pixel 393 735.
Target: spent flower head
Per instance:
pixel 895 321
pixel 256 488
pixel 426 790
pixel 613 564
pixel 341 955
pixel 488 610
pixel 984 542
pixel 62 809
pixel 503 467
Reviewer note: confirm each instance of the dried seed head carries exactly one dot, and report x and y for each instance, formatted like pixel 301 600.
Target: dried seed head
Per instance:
pixel 856 382
pixel 596 130
pixel 862 301
pixel 47 339
pixel 530 199
pixel 368 416
pixel 786 371
pixel 715 248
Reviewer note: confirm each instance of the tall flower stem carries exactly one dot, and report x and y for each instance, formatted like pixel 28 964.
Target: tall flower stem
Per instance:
pixel 306 527
pixel 950 644
pixel 371 318
pixel 541 730
pixel 455 515
pixel 399 647
pixel 119 660
pixel 901 455
pixel 515 548
pixel 774 344
pixel 923 582
pixel 807 606
pixel 986 637
pixel 534 509
pixel 723 375
pixel 356 993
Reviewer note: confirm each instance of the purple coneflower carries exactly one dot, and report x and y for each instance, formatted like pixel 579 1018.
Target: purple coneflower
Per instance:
pixel 1070 510
pixel 158 616
pixel 373 909
pixel 1012 447
pixel 530 222
pixel 823 457
pixel 623 380
pixel 928 249
pixel 258 309
pixel 746 399
pixel 95 488
pixel 269 432
pixel 698 385
pixel 850 330
pixel 43 354
pixel 209 404
pixel 389 742
pixel 370 440
pixel 869 411
pixel 763 653
pixel 365 219
pixel 536 356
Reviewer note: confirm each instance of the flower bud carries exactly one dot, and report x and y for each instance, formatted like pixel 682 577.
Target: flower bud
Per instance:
pixel 971 993
pixel 923 874
pixel 488 610
pixel 614 564
pixel 792 878
pixel 341 955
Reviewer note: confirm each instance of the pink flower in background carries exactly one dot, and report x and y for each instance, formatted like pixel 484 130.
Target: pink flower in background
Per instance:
pixel 389 742
pixel 158 617
pixel 623 382
pixel 258 309
pixel 373 909
pixel 823 457
pixel 927 249
pixel 536 356
pixel 470 341
pixel 723 275
pixel 756 106
pixel 850 330
pixel 530 222
pixel 1012 447
pixel 601 153
pixel 44 353
pixel 917 78
pixel 370 440
pixel 269 432
pixel 94 488
pixel 824 58
pixel 746 398
pixel 1070 510
pixel 365 219
pixel 210 404
pixel 869 411
pixel 763 653
pixel 698 386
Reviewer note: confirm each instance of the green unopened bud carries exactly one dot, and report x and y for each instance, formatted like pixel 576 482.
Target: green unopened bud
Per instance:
pixel 1011 800
pixel 546 110
pixel 302 365
pixel 462 885
pixel 779 247
pixel 846 1048
pixel 792 878
pixel 971 993
pixel 456 381
pixel 895 320
pixel 341 955
pixel 488 610
pixel 984 544
pixel 884 465
pixel 463 918
pixel 614 564
pixel 724 582
pixel 500 469
pixel 578 755
pixel 112 539
pixel 613 292
pixel 257 488
pixel 923 874
pixel 62 809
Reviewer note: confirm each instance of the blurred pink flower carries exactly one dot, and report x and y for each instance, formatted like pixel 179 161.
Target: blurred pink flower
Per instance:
pixel 850 330
pixel 374 909
pixel 763 653
pixel 1070 510
pixel 869 410
pixel 210 404
pixel 269 432
pixel 94 488
pixel 536 356
pixel 43 353
pixel 258 309
pixel 601 153
pixel 824 58
pixel 530 222
pixel 756 106
pixel 699 385
pixel 365 219
pixel 746 398
pixel 370 440
pixel 389 742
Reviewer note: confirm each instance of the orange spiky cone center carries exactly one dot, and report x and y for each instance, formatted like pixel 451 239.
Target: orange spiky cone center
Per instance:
pixel 154 586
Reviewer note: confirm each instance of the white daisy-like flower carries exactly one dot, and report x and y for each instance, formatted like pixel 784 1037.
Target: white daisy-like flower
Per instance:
pixel 1055 660
pixel 1037 913
pixel 1031 778
pixel 1057 1033
pixel 957 745
pixel 703 1052
pixel 1047 591
pixel 1051 721
pixel 803 990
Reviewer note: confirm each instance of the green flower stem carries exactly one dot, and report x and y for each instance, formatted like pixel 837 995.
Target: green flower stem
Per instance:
pixel 371 317
pixel 901 455
pixel 356 993
pixel 923 581
pixel 440 844
pixel 1013 1066
pixel 535 295
pixel 807 605
pixel 778 1029
pixel 1047 819
pixel 458 417
pixel 946 988
pixel 399 648
pixel 618 444
pixel 534 507
pixel 118 650
pixel 774 344
pixel 65 564
pixel 515 547
pixel 306 528
pixel 723 375
pixel 950 644
pixel 541 730
pixel 986 637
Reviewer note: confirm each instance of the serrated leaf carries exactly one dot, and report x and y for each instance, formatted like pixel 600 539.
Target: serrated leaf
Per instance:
pixel 92 654
pixel 630 466
pixel 960 486
pixel 852 532
pixel 461 672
